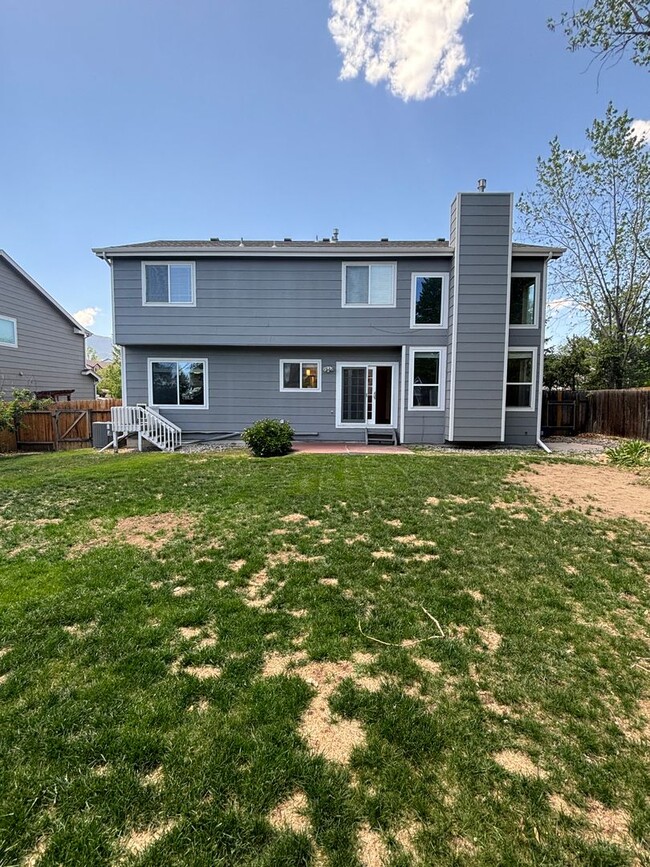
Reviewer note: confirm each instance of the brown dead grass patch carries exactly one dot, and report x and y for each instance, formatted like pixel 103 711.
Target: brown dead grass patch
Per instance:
pixel 331 737
pixel 33 858
pixel 371 849
pixel 291 814
pixel 463 847
pixel 432 501
pixel 202 672
pixel 491 639
pixel 561 805
pixel 79 630
pixel 490 703
pixel 423 558
pixel 189 632
pixel 149 532
pixel 383 555
pixel 200 707
pixel 352 540
pixel 154 778
pixel 476 595
pixel 4 651
pixel 518 763
pixel 413 541
pixel 182 590
pixel 329 582
pixel 294 518
pixel 428 665
pixel 236 565
pixel 394 522
pixel 137 842
pixel 608 824
pixel 608 492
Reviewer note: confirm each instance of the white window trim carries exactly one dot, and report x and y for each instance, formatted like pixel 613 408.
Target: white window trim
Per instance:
pixel 168 262
pixel 535 276
pixel 13 345
pixel 184 406
pixel 393 302
pixel 533 381
pixel 442 352
pixel 444 301
pixel 314 362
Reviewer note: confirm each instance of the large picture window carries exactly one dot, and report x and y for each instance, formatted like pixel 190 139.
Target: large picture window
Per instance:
pixel 369 285
pixel 429 300
pixel 299 375
pixel 426 378
pixel 180 383
pixel 520 392
pixel 523 300
pixel 8 332
pixel 168 283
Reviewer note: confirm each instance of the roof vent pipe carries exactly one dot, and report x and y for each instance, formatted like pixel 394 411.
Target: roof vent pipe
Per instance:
pixel 335 235
pixel 482 184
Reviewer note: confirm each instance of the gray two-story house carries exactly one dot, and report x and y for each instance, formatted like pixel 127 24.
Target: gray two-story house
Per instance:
pixel 431 341
pixel 42 347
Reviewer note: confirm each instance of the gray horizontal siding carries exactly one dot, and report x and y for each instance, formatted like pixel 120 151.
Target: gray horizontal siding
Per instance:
pixel 244 385
pixel 521 428
pixel 49 355
pixel 270 302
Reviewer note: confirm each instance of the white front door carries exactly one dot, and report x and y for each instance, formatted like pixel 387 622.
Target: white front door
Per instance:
pixel 366 395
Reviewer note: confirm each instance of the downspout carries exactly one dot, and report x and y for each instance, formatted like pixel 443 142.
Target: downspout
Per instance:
pixel 542 445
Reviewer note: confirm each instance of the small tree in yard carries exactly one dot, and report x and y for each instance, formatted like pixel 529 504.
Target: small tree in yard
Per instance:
pixel 269 438
pixel 12 411
pixel 110 377
pixel 596 203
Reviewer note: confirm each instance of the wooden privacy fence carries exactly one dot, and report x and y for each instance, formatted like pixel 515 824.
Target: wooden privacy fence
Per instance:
pixel 622 412
pixel 66 425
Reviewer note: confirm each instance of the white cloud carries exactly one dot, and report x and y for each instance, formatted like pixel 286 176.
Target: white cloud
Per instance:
pixel 641 130
pixel 87 316
pixel 413 45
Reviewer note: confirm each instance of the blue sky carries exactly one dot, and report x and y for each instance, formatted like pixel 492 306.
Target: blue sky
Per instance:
pixel 131 120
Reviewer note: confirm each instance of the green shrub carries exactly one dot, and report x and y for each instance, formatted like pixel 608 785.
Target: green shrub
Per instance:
pixel 12 411
pixel 269 438
pixel 633 453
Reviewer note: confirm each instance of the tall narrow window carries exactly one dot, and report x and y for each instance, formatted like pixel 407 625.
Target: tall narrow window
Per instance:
pixel 299 375
pixel 177 383
pixel 428 300
pixel 523 300
pixel 168 282
pixel 8 332
pixel 370 285
pixel 521 376
pixel 426 378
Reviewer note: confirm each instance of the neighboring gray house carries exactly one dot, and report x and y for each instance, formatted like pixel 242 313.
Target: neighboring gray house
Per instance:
pixel 42 347
pixel 429 341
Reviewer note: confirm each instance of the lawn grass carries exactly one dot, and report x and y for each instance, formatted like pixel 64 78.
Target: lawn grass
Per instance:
pixel 166 683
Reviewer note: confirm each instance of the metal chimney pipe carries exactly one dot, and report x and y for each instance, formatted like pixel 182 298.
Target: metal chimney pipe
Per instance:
pixel 482 184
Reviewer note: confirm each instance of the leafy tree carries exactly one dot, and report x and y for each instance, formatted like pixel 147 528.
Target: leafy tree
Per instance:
pixel 569 366
pixel 91 354
pixel 596 204
pixel 609 28
pixel 12 411
pixel 110 377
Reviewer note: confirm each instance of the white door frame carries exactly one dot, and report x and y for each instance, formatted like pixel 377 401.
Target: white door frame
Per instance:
pixel 394 365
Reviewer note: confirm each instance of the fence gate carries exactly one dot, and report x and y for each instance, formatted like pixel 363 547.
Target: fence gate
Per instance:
pixel 71 426
pixel 561 413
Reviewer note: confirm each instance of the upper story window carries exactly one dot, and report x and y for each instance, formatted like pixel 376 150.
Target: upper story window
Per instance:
pixel 369 285
pixel 299 375
pixel 8 332
pixel 168 283
pixel 429 300
pixel 178 382
pixel 520 391
pixel 523 300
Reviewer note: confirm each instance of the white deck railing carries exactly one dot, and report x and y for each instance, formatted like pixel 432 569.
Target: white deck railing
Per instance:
pixel 147 424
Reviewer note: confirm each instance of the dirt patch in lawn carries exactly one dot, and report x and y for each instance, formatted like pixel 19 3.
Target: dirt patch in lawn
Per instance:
pixel 150 532
pixel 518 763
pixel 333 738
pixel 605 491
pixel 371 849
pixel 291 814
pixel 138 842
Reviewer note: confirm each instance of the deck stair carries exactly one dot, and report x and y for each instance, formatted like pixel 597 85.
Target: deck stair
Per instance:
pixel 385 437
pixel 147 424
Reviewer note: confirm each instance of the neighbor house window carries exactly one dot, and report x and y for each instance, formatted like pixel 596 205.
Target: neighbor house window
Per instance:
pixel 521 377
pixel 428 300
pixel 181 383
pixel 427 378
pixel 168 282
pixel 523 300
pixel 299 375
pixel 8 332
pixel 371 285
